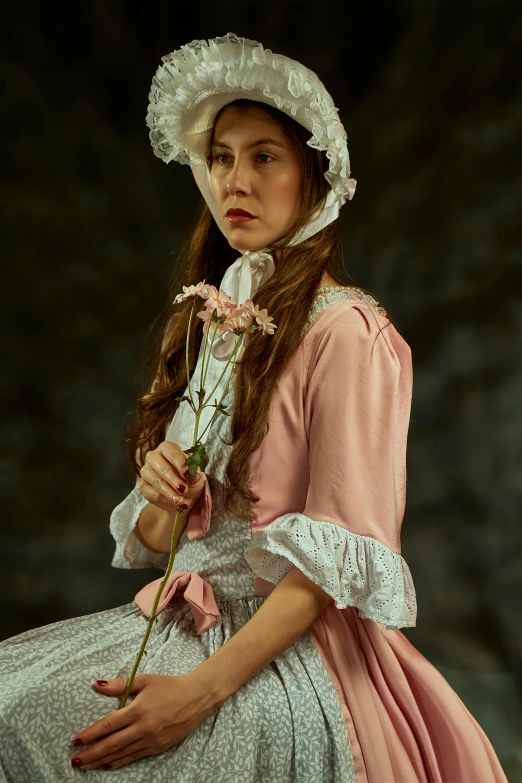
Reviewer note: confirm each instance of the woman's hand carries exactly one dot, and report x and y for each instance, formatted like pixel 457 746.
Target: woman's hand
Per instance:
pixel 164 711
pixel 164 478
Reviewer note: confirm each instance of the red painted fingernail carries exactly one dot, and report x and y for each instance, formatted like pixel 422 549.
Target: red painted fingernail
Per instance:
pixel 76 762
pixel 102 682
pixel 181 488
pixel 184 505
pixel 187 474
pixel 77 742
pixel 108 765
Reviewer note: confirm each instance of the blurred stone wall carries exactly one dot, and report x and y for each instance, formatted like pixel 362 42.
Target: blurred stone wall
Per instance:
pixel 431 97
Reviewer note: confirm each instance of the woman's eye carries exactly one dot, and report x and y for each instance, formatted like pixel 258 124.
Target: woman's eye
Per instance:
pixel 220 155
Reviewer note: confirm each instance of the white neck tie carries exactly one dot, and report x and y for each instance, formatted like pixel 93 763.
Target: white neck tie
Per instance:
pixel 240 281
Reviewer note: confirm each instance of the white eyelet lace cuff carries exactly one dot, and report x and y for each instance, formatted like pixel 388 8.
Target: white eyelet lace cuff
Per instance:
pixel 355 570
pixel 130 552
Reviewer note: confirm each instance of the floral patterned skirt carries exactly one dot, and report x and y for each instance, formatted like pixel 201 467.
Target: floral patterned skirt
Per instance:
pixel 285 725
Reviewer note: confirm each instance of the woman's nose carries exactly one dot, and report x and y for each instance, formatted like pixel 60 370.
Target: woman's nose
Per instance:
pixel 237 181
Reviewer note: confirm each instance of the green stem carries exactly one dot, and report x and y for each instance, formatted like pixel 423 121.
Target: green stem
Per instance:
pixel 196 424
pixel 203 359
pixel 152 618
pixel 224 393
pixel 238 343
pixel 204 369
pixel 187 355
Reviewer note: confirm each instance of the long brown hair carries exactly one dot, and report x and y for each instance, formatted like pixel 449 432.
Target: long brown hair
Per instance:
pixel 288 297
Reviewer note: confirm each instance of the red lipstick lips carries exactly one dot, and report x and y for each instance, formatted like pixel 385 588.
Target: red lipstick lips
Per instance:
pixel 239 212
pixel 239 216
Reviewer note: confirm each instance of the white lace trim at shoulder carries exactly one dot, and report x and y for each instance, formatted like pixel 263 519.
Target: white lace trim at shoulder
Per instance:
pixel 130 552
pixel 328 295
pixel 355 570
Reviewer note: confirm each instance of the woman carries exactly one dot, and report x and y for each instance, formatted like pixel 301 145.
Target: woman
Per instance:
pixel 277 654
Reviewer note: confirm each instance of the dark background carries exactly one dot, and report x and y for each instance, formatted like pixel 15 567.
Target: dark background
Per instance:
pixel 431 97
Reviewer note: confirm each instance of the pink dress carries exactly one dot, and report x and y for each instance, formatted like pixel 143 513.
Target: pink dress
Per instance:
pixel 331 477
pixel 351 700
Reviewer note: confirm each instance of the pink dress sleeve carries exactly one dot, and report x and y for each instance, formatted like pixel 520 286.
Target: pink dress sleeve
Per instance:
pixel 347 538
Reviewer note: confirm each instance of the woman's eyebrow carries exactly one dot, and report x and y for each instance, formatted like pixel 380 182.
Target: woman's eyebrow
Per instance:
pixel 256 143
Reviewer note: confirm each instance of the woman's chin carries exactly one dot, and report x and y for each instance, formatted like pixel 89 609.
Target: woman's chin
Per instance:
pixel 250 249
pixel 243 244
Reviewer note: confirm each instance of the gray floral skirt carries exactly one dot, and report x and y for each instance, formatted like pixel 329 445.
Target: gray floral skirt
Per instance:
pixel 284 725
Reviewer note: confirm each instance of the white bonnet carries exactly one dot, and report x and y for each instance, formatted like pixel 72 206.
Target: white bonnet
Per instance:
pixel 201 77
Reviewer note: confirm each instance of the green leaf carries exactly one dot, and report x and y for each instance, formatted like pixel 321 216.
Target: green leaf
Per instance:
pixel 179 400
pixel 222 408
pixel 197 459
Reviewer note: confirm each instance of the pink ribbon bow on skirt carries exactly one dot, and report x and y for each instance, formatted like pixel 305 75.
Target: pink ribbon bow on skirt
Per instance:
pixel 197 593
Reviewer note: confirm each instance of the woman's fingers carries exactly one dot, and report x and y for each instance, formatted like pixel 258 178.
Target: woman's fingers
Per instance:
pixel 138 753
pixel 165 500
pixel 171 463
pixel 125 755
pixel 114 732
pixel 178 458
pixel 157 491
pixel 164 481
pixel 162 478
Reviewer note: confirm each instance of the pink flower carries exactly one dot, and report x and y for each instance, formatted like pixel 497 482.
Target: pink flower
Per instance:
pixel 249 305
pixel 219 301
pixel 228 315
pixel 238 320
pixel 206 316
pixel 261 316
pixel 193 290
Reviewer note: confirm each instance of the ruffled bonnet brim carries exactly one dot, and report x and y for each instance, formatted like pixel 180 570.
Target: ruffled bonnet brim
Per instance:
pixel 201 77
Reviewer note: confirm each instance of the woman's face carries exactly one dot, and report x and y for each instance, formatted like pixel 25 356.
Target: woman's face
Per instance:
pixel 255 168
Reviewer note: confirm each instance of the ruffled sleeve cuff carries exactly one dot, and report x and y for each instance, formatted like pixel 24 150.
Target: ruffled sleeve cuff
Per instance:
pixel 130 552
pixel 354 570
